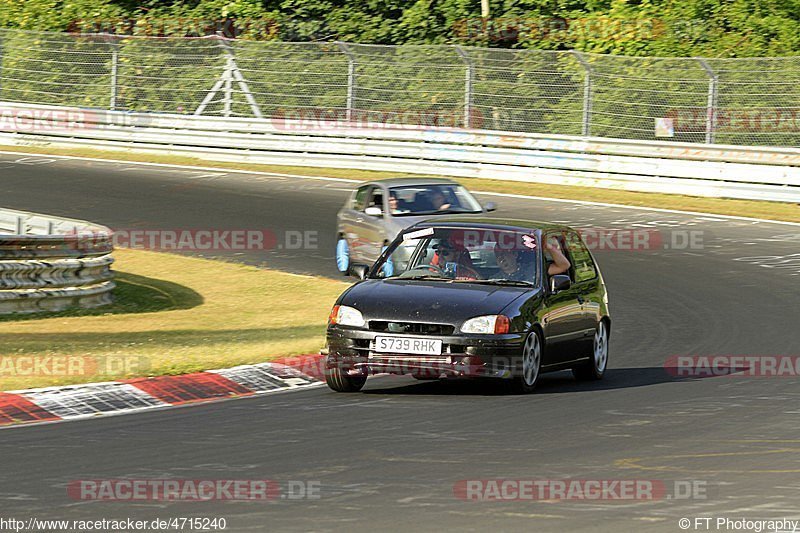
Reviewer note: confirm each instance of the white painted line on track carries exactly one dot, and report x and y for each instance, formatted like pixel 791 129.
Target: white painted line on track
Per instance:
pixel 345 180
pixel 710 216
pixel 188 167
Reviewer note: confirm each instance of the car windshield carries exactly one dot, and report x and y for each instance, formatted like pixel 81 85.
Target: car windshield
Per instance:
pixel 431 199
pixel 482 255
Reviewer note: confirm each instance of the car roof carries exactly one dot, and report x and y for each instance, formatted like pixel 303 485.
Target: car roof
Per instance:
pixel 412 181
pixel 462 221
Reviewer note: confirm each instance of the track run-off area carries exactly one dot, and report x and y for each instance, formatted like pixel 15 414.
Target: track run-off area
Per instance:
pixel 399 454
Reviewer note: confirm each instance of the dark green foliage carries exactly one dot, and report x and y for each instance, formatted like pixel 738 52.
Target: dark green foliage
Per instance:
pixel 709 28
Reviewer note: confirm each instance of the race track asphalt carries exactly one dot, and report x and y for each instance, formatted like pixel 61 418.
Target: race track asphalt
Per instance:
pixel 389 458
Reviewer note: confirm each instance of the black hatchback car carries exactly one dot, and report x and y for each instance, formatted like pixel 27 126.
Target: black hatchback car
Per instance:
pixel 473 297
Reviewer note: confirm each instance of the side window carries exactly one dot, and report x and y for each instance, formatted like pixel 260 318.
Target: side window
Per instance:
pixel 360 199
pixel 581 258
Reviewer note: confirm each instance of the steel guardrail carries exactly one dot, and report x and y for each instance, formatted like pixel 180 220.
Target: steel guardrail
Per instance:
pixel 763 173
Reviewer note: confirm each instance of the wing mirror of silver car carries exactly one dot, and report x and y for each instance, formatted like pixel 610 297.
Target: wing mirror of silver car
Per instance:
pixel 490 206
pixel 559 282
pixel 373 211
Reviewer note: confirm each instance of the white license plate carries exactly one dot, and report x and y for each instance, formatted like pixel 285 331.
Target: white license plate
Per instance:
pixel 408 345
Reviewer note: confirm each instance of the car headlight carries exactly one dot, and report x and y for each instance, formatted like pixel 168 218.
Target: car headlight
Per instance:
pixel 489 324
pixel 346 316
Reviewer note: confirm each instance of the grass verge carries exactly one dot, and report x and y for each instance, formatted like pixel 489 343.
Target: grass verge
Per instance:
pixel 172 315
pixel 746 208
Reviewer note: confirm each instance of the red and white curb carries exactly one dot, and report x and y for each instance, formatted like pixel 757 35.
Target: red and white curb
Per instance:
pixel 116 397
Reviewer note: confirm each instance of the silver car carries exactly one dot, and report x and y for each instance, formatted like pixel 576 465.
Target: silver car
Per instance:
pixel 377 211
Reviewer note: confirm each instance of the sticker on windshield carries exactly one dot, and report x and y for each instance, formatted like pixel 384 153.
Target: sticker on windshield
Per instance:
pixel 418 234
pixel 529 241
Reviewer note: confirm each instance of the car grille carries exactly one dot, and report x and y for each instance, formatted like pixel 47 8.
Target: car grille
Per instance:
pixel 401 358
pixel 418 328
pixel 367 347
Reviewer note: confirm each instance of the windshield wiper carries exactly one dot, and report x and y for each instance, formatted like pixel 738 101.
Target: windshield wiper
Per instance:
pixel 434 278
pixel 499 281
pixel 449 211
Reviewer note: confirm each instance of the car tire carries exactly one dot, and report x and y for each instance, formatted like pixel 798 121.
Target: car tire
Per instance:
pixel 340 381
pixel 343 255
pixel 595 368
pixel 531 365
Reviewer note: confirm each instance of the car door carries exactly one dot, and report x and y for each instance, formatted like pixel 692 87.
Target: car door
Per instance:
pixel 371 228
pixel 562 314
pixel 350 220
pixel 587 285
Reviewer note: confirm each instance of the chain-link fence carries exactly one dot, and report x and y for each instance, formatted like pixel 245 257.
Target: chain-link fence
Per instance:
pixel 753 101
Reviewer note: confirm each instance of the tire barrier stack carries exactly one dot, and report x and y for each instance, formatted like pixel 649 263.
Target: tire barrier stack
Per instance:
pixel 53 264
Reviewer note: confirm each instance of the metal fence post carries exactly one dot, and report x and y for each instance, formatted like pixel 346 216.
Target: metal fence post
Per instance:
pixel 711 100
pixel 235 74
pixel 2 58
pixel 225 83
pixel 114 70
pixel 351 78
pixel 586 128
pixel 468 78
pixel 227 99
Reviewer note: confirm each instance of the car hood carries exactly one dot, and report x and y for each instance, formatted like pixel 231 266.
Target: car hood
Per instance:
pixel 429 301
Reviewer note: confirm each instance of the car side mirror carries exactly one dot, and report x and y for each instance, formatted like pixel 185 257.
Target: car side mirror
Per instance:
pixel 359 271
pixel 373 211
pixel 559 282
pixel 490 206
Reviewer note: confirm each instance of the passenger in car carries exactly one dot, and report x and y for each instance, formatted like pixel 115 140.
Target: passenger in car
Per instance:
pixel 516 265
pixel 397 206
pixel 560 263
pixel 439 202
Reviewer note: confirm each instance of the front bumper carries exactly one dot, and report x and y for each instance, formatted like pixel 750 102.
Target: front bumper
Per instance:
pixel 463 355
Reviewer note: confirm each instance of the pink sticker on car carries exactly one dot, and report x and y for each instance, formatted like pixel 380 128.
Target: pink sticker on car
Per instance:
pixel 529 241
